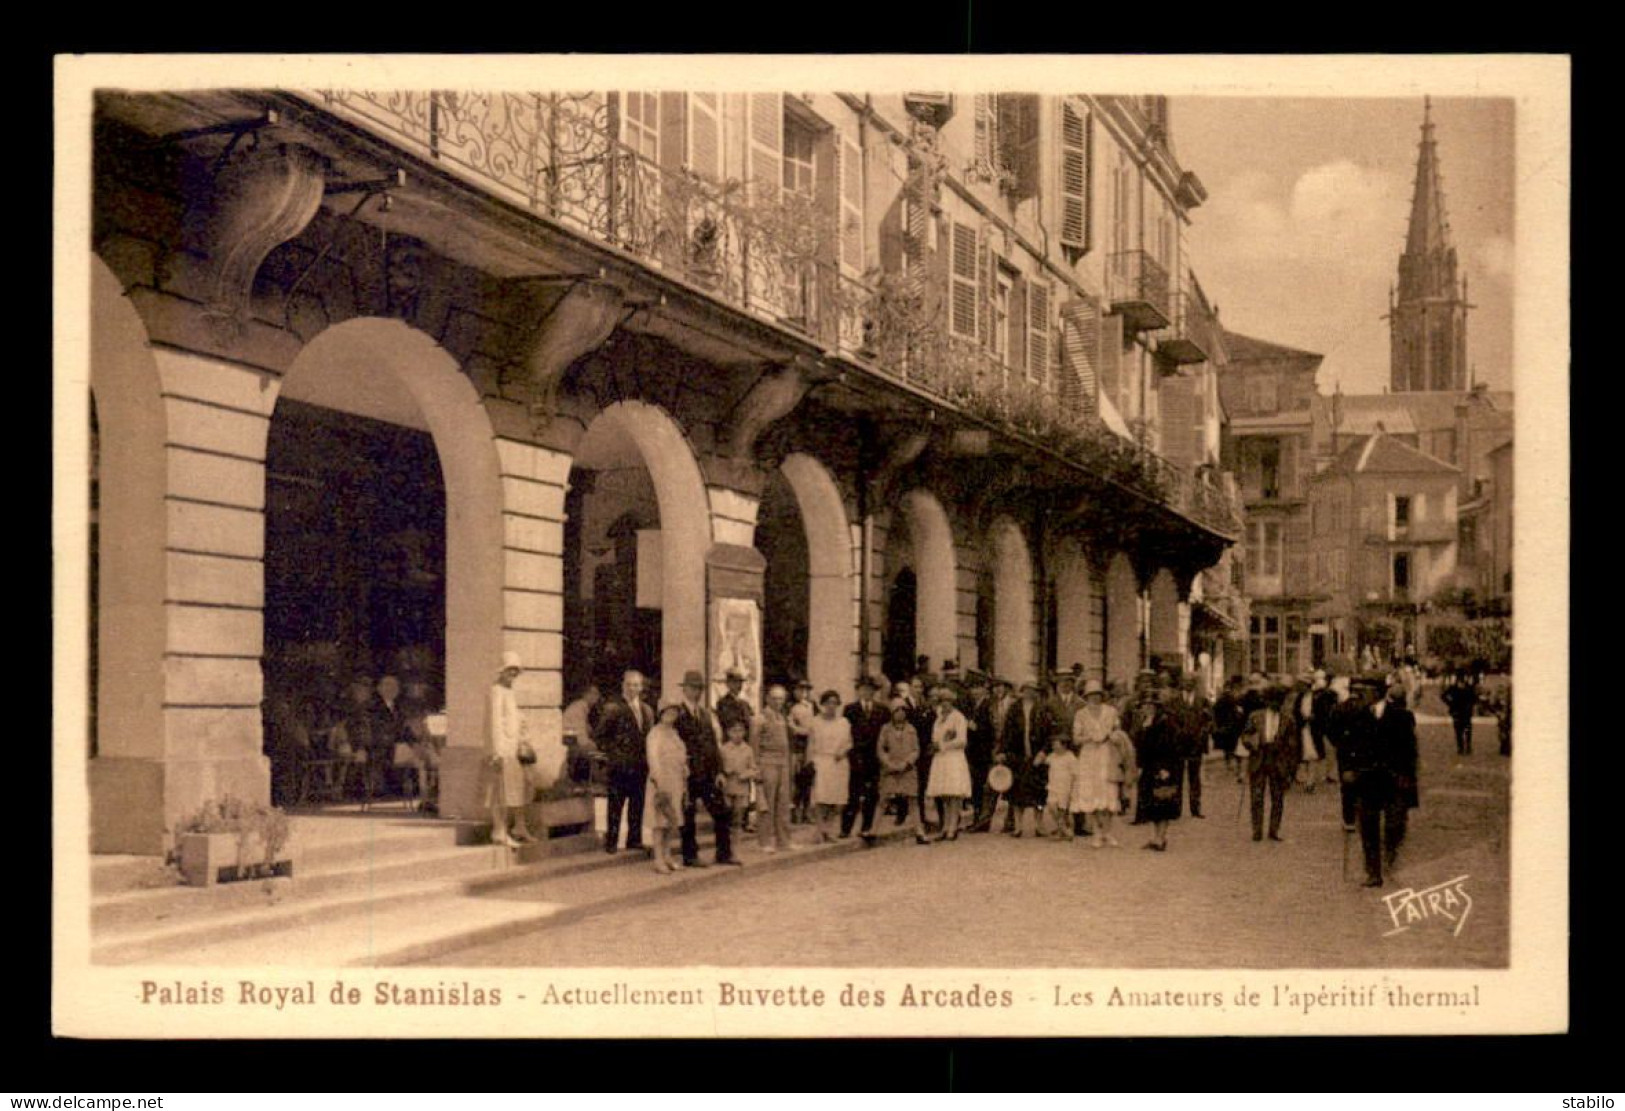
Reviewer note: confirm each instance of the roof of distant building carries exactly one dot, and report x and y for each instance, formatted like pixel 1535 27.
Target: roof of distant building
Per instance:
pixel 1243 349
pixel 1412 412
pixel 1382 454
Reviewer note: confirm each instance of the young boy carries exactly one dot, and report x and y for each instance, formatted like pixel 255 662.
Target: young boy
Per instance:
pixel 739 771
pixel 1063 768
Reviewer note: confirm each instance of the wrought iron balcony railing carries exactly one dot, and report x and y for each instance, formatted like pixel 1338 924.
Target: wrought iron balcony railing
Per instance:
pixel 761 248
pixel 1189 335
pixel 1137 286
pixel 766 251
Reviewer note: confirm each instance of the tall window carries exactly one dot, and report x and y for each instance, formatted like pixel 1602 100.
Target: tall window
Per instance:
pixel 1402 511
pixel 1265 643
pixel 1003 283
pixel 640 123
pixel 1264 549
pixel 800 175
pixel 1402 573
pixel 1269 468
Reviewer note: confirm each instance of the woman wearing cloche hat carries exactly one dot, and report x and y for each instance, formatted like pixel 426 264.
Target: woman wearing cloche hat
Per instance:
pixel 507 782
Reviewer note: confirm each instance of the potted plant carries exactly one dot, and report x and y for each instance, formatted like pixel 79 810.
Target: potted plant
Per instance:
pixel 229 839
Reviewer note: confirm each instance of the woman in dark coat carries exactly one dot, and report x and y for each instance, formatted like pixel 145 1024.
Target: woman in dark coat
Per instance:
pixel 1161 750
pixel 1027 728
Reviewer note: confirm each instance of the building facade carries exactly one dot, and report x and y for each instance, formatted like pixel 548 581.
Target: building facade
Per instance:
pixel 805 384
pixel 1383 544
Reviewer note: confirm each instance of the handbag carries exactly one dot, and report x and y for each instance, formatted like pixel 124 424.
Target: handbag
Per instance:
pixel 525 754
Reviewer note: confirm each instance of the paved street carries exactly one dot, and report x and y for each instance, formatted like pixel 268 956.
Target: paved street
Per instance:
pixel 1215 899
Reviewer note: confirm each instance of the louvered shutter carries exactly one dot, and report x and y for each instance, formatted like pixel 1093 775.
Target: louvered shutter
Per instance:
pixel 964 277
pixel 1080 355
pixel 985 126
pixel 1177 404
pixel 984 318
pixel 1111 357
pixel 1038 331
pixel 1076 137
pixel 705 135
pixel 1018 117
pixel 766 144
pixel 1016 353
pixel 850 163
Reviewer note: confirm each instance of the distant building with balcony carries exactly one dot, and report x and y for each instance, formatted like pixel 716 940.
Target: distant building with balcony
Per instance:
pixel 805 384
pixel 1269 392
pixel 1383 536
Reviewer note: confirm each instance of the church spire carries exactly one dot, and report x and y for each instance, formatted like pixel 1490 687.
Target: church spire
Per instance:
pixel 1428 317
pixel 1429 228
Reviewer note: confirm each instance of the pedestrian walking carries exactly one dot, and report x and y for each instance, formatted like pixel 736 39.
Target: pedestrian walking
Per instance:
pixel 1379 766
pixel 829 742
pixel 1461 699
pixel 1272 759
pixel 1195 728
pixel 949 782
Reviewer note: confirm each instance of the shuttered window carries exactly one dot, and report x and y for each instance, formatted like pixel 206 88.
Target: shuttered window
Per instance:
pixel 1080 355
pixel 987 140
pixel 1018 117
pixel 640 123
pixel 851 215
pixel 705 135
pixel 1038 331
pixel 964 278
pixel 766 143
pixel 1076 140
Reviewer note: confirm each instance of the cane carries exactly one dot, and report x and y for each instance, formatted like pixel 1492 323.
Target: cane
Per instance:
pixel 1346 836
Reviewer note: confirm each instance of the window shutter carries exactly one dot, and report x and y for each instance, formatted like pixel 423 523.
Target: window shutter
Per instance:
pixel 1076 139
pixel 1018 137
pixel 1016 354
pixel 850 166
pixel 984 315
pixel 705 135
pixel 964 277
pixel 1177 403
pixel 986 123
pixel 766 144
pixel 1038 331
pixel 1111 357
pixel 1080 355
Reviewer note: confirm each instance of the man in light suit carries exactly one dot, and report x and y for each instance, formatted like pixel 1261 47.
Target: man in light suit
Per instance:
pixel 1273 753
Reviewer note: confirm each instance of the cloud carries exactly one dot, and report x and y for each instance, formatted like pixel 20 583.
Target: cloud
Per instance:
pixel 1337 213
pixel 1493 258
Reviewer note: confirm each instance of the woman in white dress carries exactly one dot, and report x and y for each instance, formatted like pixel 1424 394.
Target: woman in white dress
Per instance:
pixel 507 784
pixel 666 785
pixel 949 781
pixel 829 740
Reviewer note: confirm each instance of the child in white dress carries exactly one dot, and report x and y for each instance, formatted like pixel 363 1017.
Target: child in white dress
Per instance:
pixel 1063 771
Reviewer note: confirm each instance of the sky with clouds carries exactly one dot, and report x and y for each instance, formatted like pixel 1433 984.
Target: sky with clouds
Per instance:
pixel 1308 200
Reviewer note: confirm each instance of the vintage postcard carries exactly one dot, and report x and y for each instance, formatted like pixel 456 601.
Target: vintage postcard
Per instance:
pixel 797 546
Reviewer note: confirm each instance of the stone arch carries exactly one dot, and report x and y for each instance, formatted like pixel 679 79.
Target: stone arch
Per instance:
pixel 1076 638
pixel 685 524
pixel 831 633
pixel 1123 655
pixel 932 556
pixel 126 777
pixel 386 369
pixel 1012 600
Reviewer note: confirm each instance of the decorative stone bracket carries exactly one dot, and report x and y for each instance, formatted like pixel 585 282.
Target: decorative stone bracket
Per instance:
pixel 580 321
pixel 261 200
pixel 898 459
pixel 772 397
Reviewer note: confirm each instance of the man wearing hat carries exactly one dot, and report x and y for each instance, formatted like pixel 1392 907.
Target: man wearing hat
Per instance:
pixel 732 708
pixel 867 717
pixel 1027 731
pixel 1195 722
pixel 702 738
pixel 1273 752
pixel 977 706
pixel 1377 755
pixel 507 786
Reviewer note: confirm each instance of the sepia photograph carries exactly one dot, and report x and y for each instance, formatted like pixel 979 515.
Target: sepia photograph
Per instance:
pixel 585 541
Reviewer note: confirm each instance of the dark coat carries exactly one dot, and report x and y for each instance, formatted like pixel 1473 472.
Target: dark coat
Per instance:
pixel 983 733
pixel 731 708
pixel 1026 738
pixel 702 737
pixel 1160 748
pixel 1395 741
pixel 1376 757
pixel 1229 719
pixel 619 736
pixel 1282 754
pixel 1460 698
pixel 388 727
pixel 866 729
pixel 1194 721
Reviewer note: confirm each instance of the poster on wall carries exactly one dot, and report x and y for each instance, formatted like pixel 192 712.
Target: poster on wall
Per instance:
pixel 736 643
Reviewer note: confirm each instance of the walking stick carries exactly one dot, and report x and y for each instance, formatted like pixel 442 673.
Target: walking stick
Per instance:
pixel 1346 855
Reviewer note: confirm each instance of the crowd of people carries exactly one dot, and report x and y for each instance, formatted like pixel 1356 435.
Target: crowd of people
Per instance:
pixel 365 741
pixel 934 755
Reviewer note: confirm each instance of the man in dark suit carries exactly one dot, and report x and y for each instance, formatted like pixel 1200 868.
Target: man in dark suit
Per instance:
pixel 867 716
pixel 1378 761
pixel 621 737
pixel 977 706
pixel 732 707
pixel 1273 752
pixel 702 738
pixel 1194 719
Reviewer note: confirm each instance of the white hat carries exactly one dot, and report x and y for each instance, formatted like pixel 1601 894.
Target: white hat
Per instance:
pixel 511 659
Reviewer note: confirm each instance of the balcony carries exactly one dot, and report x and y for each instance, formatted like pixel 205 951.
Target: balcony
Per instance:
pixel 767 251
pixel 1137 288
pixel 1188 337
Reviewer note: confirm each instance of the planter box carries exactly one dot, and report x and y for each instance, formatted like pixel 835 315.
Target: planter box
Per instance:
pixel 210 858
